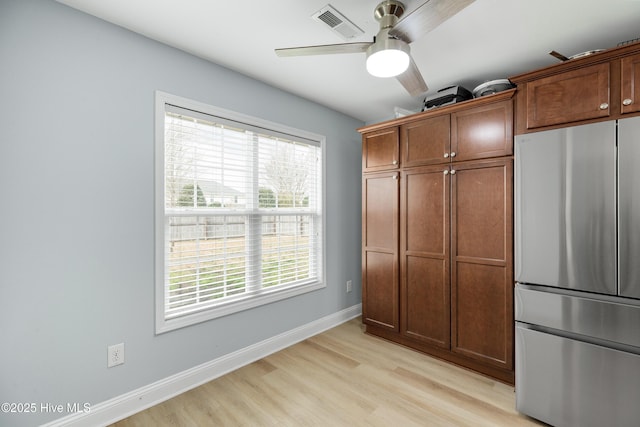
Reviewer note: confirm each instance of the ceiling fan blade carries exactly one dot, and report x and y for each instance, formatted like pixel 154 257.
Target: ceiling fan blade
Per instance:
pixel 412 80
pixel 324 49
pixel 427 17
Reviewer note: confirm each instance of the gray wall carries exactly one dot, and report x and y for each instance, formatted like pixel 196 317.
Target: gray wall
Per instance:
pixel 76 207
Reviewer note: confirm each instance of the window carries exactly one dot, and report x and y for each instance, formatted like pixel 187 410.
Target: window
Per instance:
pixel 239 212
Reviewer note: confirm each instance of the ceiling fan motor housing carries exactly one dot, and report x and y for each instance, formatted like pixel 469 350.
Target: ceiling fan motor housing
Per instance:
pixel 388 12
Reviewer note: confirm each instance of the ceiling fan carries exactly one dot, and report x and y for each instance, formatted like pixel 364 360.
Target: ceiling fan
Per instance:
pixel 388 55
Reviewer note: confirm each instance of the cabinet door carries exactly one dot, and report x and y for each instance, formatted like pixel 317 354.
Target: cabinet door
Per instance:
pixel 380 150
pixel 380 250
pixel 482 132
pixel 482 253
pixel 569 97
pixel 424 254
pixel 426 142
pixel 630 75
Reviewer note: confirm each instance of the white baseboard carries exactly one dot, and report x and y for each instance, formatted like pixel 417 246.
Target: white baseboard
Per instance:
pixel 120 407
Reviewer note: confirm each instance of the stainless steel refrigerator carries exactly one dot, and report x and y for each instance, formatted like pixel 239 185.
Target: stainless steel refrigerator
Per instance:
pixel 577 254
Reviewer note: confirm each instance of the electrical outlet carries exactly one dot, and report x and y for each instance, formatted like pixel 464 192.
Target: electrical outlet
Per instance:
pixel 115 355
pixel 349 285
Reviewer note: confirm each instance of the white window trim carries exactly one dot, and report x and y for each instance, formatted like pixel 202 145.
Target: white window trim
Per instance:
pixel 165 325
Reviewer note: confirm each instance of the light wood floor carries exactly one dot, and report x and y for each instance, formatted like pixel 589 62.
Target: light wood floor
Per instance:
pixel 342 377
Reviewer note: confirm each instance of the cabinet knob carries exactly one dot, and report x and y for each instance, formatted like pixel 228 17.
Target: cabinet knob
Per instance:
pixel 627 101
pixel 395 162
pixel 453 172
pixel 395 176
pixel 446 155
pixel 453 154
pixel 604 106
pixel 446 172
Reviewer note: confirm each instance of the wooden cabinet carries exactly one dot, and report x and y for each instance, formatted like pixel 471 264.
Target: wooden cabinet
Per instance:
pixel 456 258
pixel 597 87
pixel 482 132
pixel 443 283
pixel 479 132
pixel 380 250
pixel 569 97
pixel 425 255
pixel 482 258
pixel 381 150
pixel 630 84
pixel 427 141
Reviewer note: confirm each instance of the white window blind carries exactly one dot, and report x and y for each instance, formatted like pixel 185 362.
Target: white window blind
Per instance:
pixel 241 214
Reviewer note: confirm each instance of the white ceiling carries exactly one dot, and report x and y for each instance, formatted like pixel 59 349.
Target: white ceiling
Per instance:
pixel 490 39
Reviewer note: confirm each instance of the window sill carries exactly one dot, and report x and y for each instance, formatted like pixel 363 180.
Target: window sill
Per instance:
pixel 165 325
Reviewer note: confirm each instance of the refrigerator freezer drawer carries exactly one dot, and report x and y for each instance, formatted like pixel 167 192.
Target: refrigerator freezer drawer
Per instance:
pixel 598 317
pixel 565 382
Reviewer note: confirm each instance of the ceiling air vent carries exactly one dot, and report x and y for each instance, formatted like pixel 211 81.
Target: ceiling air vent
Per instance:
pixel 337 22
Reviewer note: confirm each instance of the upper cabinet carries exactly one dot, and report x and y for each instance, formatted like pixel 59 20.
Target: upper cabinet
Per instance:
pixel 602 86
pixel 630 84
pixel 482 132
pixel 569 97
pixel 476 129
pixel 465 134
pixel 426 141
pixel 380 150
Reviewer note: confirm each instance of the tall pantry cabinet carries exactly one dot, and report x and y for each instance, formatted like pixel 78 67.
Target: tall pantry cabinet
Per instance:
pixel 437 247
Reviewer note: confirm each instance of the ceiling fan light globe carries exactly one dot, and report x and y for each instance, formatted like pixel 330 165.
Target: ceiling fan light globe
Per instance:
pixel 388 57
pixel 387 63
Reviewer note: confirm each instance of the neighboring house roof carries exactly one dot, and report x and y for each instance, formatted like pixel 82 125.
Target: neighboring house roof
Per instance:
pixel 215 189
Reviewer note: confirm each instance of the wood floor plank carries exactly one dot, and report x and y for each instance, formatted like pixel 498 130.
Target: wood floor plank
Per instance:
pixel 342 377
